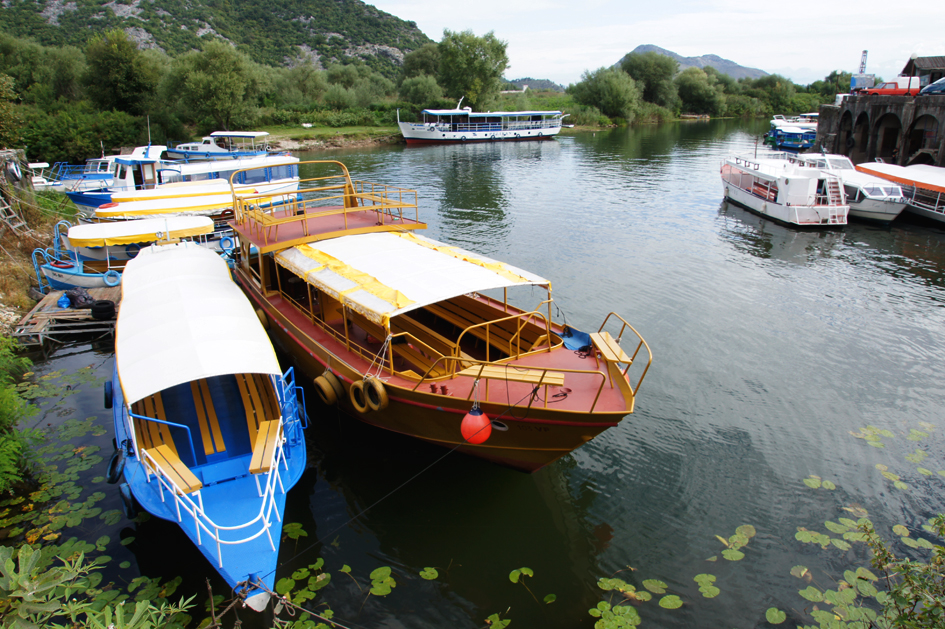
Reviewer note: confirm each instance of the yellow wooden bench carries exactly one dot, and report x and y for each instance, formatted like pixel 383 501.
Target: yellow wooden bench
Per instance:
pixel 152 434
pixel 464 312
pixel 509 373
pixel 172 467
pixel 259 402
pixel 434 339
pixel 267 440
pixel 610 351
pixel 207 418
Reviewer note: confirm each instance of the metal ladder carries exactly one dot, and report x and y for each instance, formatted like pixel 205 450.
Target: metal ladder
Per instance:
pixel 11 219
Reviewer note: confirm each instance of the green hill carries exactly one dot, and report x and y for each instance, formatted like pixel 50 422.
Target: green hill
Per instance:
pixel 276 33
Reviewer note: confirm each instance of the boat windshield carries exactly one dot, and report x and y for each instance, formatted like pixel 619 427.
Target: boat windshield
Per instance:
pixel 841 163
pixel 882 191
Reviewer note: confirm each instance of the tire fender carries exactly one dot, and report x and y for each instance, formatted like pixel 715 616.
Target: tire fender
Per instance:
pixel 358 398
pixel 376 394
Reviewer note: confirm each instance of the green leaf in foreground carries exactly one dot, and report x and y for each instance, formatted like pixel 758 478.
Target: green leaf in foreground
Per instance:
pixel 429 574
pixel 775 616
pixel 655 586
pixel 551 598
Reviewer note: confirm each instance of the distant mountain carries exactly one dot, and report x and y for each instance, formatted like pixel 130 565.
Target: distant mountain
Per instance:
pixel 276 32
pixel 722 65
pixel 537 84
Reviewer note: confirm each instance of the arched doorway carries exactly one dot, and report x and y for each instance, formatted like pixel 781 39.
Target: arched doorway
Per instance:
pixel 857 152
pixel 922 140
pixel 885 139
pixel 845 136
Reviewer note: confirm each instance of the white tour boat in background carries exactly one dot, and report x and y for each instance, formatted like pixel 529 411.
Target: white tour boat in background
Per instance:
pixel 777 187
pixel 449 126
pixel 222 145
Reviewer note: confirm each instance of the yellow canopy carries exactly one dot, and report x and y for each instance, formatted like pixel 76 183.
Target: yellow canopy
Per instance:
pixel 146 230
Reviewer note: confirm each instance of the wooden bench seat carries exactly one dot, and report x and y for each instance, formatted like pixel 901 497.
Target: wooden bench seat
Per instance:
pixel 434 339
pixel 174 469
pixel 152 434
pixel 424 363
pixel 267 439
pixel 207 418
pixel 509 373
pixel 500 335
pixel 610 351
pixel 259 401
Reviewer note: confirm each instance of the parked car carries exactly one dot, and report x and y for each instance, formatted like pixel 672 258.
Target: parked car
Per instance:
pixel 934 88
pixel 900 86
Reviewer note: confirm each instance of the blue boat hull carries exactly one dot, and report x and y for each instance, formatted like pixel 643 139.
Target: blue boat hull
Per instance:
pixel 229 494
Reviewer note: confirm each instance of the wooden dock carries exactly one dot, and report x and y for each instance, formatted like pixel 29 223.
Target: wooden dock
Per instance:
pixel 47 322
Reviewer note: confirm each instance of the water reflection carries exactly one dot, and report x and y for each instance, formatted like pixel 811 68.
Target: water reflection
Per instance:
pixel 757 236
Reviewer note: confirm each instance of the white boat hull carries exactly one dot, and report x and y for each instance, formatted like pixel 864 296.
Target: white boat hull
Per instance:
pixel 417 133
pixel 799 215
pixel 876 210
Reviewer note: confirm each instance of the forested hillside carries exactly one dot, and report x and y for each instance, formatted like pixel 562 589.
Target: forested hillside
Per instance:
pixel 275 32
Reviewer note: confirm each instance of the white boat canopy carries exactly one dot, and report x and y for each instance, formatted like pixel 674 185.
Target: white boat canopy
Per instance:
pixel 385 274
pixel 921 176
pixel 183 318
pixel 249 135
pixel 487 114
pixel 146 230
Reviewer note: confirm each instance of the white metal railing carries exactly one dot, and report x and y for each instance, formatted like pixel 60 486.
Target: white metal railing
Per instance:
pixel 487 127
pixel 196 509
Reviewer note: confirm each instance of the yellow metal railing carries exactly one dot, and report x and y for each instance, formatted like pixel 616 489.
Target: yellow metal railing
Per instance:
pixel 319 197
pixel 640 345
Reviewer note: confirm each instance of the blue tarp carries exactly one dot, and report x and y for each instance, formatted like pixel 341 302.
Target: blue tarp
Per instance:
pixel 575 339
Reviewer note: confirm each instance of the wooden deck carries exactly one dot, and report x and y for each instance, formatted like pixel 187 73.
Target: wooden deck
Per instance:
pixel 47 322
pixel 284 231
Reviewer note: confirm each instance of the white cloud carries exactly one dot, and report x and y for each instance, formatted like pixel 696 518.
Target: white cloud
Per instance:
pixel 558 41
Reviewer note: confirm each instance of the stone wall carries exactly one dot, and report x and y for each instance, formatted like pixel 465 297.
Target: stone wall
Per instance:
pixel 897 129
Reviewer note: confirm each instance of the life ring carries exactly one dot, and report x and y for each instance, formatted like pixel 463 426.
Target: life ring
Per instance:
pixel 227 244
pixel 261 315
pixel 132 250
pixel 358 398
pixel 462 139
pixel 112 278
pixel 129 506
pixel 109 394
pixel 517 136
pixel 116 465
pixel 59 264
pixel 105 206
pixel 376 394
pixel 329 388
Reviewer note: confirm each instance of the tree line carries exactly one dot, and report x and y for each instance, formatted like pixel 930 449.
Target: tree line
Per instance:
pixel 64 103
pixel 651 86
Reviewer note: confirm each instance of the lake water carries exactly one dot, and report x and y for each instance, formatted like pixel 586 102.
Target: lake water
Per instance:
pixel 771 346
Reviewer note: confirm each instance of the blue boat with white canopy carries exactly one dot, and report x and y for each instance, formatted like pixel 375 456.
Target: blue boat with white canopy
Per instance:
pixel 209 430
pixel 452 126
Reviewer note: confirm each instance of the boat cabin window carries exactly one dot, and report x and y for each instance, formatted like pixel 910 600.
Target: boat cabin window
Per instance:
pixel 852 192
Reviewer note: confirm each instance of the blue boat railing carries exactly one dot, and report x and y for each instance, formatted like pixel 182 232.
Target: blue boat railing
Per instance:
pixel 291 424
pixel 190 437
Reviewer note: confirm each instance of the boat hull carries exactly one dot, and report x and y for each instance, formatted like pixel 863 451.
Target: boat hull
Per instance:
pixel 414 135
pixel 795 215
pixel 875 211
pixel 531 439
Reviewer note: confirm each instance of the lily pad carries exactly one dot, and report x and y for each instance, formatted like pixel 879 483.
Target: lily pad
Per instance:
pixel 429 574
pixel 833 527
pixel 813 482
pixel 746 530
pixel 775 616
pixel 550 598
pixel 671 602
pixel 655 586
pixel 900 485
pixel 877 444
pixel 924 471
pixel 704 579
pixel 284 586
pixel 733 555
pixel 916 435
pixel 829 485
pixel 901 530
pixel 709 591
pixel 812 594
pixel 799 571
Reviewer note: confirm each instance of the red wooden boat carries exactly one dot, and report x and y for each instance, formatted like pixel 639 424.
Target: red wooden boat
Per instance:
pixel 421 338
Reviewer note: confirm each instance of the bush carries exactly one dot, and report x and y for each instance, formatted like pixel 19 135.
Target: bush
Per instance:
pixel 421 90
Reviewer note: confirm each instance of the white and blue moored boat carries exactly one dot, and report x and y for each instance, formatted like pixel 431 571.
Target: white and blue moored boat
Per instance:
pixel 93 255
pixel 209 431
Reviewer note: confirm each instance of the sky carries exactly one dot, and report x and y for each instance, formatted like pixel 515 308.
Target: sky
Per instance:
pixel 803 40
